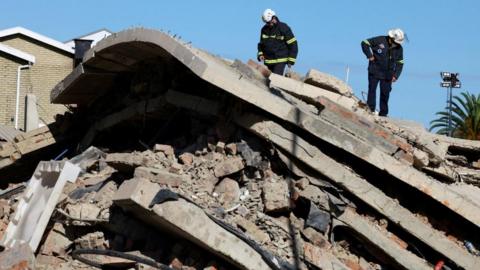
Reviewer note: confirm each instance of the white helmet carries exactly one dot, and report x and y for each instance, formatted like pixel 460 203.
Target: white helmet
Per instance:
pixel 397 35
pixel 268 15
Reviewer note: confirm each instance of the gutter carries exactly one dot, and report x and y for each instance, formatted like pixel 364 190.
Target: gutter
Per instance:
pixel 17 99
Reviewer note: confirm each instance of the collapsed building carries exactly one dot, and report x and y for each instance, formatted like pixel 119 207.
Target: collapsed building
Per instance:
pixel 173 158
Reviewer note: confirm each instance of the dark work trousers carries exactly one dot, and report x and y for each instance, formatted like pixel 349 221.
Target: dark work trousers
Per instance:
pixel 277 68
pixel 385 88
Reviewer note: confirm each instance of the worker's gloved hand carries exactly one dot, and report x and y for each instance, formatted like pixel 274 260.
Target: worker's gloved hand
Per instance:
pixel 394 79
pixel 288 72
pixel 261 58
pixel 371 59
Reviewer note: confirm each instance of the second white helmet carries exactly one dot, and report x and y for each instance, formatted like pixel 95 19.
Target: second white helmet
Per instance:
pixel 397 34
pixel 268 15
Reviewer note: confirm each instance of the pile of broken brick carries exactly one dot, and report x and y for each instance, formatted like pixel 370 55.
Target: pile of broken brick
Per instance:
pixel 225 199
pixel 183 160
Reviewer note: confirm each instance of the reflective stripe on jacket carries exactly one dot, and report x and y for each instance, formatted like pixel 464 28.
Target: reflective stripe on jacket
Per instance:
pixel 388 59
pixel 278 44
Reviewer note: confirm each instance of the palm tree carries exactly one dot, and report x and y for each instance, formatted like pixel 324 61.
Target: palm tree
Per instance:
pixel 465 118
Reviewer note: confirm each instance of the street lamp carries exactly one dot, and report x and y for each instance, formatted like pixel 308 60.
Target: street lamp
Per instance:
pixel 450 80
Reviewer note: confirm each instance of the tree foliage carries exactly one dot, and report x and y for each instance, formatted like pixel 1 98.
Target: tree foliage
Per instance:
pixel 465 118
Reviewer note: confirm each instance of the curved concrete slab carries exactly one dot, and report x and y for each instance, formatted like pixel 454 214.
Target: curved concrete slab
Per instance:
pixel 122 52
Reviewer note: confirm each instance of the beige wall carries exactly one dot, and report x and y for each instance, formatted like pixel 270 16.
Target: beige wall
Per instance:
pixel 51 66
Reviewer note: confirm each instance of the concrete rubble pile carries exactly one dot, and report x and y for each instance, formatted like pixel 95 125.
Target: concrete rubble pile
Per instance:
pixel 183 160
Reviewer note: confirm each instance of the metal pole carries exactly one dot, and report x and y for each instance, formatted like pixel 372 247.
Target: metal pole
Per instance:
pixel 448 112
pixel 348 74
pixel 450 131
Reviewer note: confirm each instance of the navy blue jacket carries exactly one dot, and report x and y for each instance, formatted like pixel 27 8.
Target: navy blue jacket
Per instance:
pixel 388 61
pixel 277 44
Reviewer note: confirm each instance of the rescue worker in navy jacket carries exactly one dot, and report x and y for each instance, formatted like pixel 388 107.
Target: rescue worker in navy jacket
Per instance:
pixel 385 55
pixel 278 46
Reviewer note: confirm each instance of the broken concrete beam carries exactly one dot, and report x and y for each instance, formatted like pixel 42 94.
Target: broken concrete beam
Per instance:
pixel 418 136
pixel 442 193
pixel 136 109
pixel 467 189
pixel 459 160
pixel 309 92
pixel 364 128
pixel 466 173
pixel 371 195
pixel 352 126
pixel 379 239
pixel 188 221
pixel 299 170
pixel 444 172
pixel 436 190
pixel 38 202
pixel 76 78
pixel 136 192
pixel 228 167
pixel 186 101
pixel 328 82
pixel 459 144
pixel 276 195
pixel 361 127
pixel 161 176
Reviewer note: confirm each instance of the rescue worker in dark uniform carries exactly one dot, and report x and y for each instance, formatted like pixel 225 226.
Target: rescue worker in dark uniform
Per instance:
pixel 278 46
pixel 385 55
